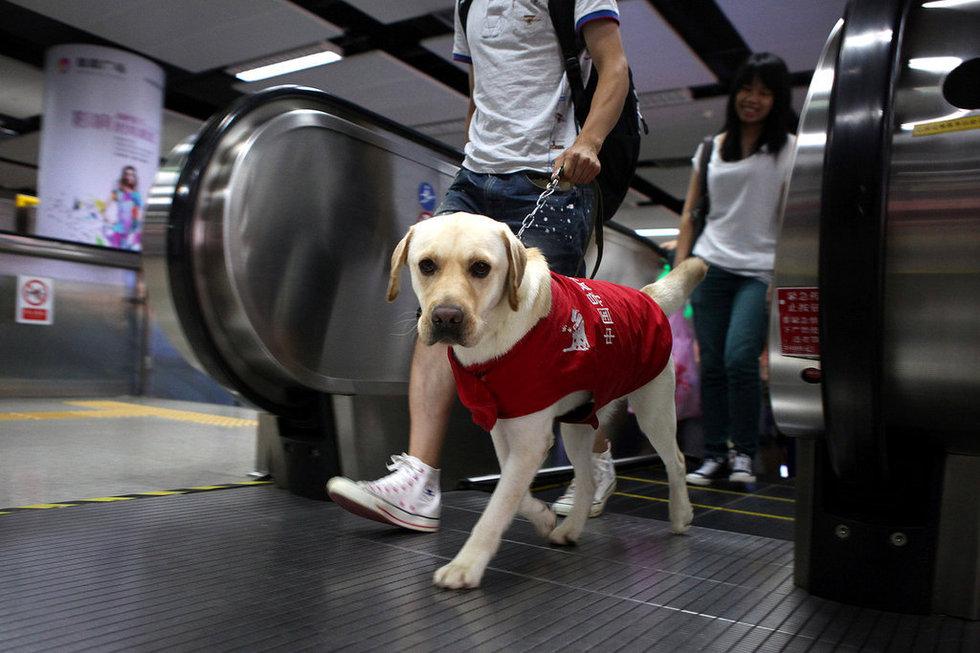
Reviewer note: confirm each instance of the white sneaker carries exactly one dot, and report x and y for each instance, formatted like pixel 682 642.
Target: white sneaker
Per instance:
pixel 408 497
pixel 742 469
pixel 711 469
pixel 604 473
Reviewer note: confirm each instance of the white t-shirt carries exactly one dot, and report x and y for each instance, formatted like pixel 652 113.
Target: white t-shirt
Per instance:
pixel 523 118
pixel 742 226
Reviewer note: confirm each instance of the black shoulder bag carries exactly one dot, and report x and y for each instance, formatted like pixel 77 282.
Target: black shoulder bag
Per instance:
pixel 699 212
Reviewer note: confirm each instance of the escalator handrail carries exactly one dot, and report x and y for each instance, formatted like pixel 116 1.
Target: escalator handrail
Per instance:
pixel 852 237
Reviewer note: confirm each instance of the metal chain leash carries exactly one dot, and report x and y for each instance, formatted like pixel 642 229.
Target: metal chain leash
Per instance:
pixel 545 194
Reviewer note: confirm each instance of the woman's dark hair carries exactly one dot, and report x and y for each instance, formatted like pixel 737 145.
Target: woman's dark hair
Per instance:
pixel 772 72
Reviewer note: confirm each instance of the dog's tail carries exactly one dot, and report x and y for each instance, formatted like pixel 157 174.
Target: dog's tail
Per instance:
pixel 671 292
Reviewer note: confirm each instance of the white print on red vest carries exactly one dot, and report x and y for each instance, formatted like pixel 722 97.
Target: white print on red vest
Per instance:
pixel 580 342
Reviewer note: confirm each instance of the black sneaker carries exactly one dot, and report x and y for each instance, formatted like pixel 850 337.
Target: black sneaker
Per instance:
pixel 742 469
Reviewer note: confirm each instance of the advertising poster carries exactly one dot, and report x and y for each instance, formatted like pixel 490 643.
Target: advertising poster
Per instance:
pixel 100 145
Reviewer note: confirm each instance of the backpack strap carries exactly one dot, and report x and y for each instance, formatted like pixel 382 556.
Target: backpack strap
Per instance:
pixel 562 14
pixel 699 212
pixel 464 11
pixel 707 146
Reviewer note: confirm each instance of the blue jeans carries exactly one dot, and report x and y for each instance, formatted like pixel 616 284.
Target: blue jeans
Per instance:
pixel 730 323
pixel 561 229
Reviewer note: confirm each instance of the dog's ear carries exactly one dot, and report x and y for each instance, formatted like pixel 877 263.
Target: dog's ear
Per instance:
pixel 398 258
pixel 517 257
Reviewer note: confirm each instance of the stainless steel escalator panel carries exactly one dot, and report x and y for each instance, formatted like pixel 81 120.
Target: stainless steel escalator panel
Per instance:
pixel 292 204
pixel 931 259
pixel 797 404
pixel 155 261
pixel 931 348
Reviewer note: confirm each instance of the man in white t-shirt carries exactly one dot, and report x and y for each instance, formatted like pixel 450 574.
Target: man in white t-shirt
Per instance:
pixel 520 132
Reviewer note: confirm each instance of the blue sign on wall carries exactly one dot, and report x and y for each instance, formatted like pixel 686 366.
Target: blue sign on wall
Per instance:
pixel 427 196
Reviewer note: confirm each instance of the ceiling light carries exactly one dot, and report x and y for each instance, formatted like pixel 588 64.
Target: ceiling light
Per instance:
pixel 658 233
pixel 947 4
pixel 290 66
pixel 935 64
pixel 283 63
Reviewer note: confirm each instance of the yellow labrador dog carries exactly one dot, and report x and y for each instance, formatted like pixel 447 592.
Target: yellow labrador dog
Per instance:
pixel 482 292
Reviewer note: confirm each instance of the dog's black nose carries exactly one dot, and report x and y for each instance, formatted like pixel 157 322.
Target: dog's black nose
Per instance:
pixel 447 317
pixel 447 324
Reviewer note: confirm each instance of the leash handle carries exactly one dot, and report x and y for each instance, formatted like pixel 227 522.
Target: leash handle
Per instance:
pixel 545 194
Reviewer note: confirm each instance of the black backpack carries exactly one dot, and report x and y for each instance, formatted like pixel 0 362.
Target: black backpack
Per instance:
pixel 621 149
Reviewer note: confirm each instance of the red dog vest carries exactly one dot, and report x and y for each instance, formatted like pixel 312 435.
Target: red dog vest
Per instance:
pixel 599 336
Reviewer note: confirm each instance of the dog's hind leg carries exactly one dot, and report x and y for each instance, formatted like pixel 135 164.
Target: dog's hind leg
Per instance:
pixel 656 415
pixel 578 439
pixel 538 513
pixel 526 440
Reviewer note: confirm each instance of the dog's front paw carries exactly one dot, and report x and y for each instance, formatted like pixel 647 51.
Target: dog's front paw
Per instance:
pixel 457 576
pixel 566 534
pixel 681 517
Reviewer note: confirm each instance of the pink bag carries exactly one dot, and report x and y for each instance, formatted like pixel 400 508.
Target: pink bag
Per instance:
pixel 687 392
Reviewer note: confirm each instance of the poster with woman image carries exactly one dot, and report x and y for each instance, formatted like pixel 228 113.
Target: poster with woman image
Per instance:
pixel 100 145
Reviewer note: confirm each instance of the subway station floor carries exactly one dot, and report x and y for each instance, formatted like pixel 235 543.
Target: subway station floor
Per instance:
pixel 133 525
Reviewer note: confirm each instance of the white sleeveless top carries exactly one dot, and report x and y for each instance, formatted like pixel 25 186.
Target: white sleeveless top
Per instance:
pixel 743 223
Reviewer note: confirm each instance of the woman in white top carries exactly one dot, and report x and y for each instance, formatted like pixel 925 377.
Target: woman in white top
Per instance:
pixel 747 170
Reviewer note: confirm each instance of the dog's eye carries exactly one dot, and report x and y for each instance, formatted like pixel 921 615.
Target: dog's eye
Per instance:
pixel 480 269
pixel 427 266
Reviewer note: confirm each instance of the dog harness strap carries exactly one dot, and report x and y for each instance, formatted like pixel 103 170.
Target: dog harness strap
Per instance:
pixel 600 337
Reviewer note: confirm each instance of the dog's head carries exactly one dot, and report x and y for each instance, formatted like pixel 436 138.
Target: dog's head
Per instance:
pixel 463 266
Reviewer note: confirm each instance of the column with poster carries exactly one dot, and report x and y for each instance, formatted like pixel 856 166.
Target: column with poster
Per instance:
pixel 100 145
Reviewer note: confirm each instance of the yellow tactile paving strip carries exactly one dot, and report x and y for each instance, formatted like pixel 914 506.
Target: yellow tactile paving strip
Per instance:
pixel 129 497
pixel 114 409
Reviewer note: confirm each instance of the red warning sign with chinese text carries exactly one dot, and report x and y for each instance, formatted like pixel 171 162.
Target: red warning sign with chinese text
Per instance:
pixel 799 321
pixel 35 300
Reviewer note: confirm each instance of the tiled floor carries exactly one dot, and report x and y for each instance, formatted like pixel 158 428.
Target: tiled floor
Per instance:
pixel 259 568
pixel 66 449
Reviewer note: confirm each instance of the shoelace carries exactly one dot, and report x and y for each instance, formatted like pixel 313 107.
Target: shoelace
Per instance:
pixel 399 461
pixel 401 468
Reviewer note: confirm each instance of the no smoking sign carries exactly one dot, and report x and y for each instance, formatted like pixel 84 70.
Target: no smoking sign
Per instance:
pixel 35 300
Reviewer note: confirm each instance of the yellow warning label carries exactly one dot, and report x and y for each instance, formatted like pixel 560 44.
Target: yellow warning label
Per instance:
pixel 946 126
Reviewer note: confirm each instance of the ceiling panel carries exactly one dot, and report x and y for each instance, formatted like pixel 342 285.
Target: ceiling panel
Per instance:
pixel 676 129
pixel 22 148
pixel 22 94
pixel 443 46
pixel 380 83
pixel 392 11
pixel 175 129
pixel 202 37
pixel 796 31
pixel 659 58
pixel 191 34
pixel 15 176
